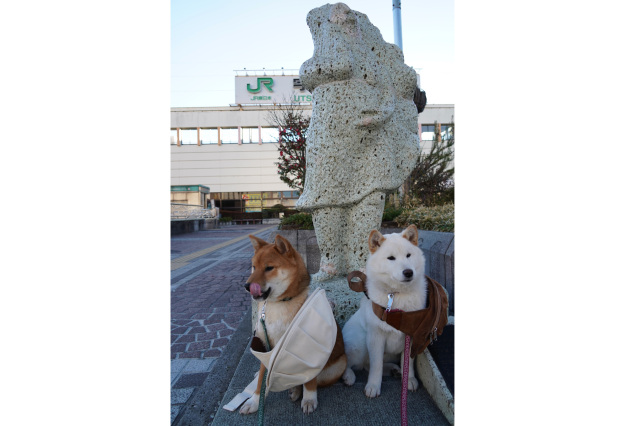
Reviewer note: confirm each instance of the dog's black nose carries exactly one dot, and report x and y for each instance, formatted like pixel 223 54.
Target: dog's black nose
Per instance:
pixel 408 273
pixel 246 286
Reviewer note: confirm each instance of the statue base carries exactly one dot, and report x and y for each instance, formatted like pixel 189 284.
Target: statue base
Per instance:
pixel 345 302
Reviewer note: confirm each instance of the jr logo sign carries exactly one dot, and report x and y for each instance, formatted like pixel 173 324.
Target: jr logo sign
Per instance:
pixel 263 81
pixel 268 89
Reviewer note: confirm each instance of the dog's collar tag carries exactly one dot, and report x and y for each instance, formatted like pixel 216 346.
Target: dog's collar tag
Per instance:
pixel 390 302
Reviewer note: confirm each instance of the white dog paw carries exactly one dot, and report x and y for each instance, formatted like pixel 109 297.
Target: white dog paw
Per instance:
pixel 308 405
pixel 324 274
pixel 295 392
pixel 349 377
pixel 251 406
pixel 372 390
pixel 391 369
pixel 413 384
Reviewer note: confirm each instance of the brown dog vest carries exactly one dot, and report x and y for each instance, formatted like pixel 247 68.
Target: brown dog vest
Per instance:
pixel 423 325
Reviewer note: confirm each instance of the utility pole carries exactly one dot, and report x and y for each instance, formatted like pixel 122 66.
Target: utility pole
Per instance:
pixel 397 24
pixel 403 191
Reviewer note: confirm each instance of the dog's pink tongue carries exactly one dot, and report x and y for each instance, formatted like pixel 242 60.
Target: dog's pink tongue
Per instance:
pixel 254 289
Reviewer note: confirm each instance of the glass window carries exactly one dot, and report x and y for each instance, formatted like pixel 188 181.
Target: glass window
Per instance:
pixel 209 136
pixel 446 131
pixel 428 133
pixel 229 135
pixel 270 134
pixel 250 135
pixel 174 136
pixel 188 136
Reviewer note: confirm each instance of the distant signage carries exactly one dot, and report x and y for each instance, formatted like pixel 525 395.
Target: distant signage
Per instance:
pixel 192 188
pixel 270 89
pixel 267 81
pixel 253 202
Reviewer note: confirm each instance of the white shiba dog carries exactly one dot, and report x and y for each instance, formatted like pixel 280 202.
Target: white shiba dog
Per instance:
pixel 395 267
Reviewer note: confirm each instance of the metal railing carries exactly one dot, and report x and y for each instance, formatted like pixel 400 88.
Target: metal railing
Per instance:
pixel 191 211
pixel 267 71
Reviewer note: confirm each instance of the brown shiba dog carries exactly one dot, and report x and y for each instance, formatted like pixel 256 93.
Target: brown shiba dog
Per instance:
pixel 280 279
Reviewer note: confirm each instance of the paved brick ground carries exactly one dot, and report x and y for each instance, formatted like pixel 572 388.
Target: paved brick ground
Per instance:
pixel 208 301
pixel 206 310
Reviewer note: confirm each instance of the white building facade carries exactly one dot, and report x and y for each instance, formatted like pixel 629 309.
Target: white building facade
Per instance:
pixel 233 150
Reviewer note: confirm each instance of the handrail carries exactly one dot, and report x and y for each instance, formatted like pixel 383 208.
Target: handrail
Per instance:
pixel 281 71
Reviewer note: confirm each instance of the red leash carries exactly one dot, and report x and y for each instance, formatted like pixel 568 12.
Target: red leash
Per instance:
pixel 405 380
pixel 405 368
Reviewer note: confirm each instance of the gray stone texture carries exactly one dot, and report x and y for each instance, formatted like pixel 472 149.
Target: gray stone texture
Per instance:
pixel 180 396
pixel 362 139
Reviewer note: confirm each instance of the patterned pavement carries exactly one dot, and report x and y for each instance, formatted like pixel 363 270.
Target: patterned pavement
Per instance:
pixel 208 301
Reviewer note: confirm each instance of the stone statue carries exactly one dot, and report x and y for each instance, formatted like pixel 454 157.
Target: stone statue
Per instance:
pixel 363 138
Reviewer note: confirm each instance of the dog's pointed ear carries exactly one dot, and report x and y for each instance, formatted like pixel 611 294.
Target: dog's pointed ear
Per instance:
pixel 375 240
pixel 283 245
pixel 411 234
pixel 257 243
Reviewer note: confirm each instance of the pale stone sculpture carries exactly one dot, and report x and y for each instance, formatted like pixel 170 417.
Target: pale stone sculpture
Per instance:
pixel 363 139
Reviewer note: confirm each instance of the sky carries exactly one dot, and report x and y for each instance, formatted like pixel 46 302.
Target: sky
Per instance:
pixel 211 39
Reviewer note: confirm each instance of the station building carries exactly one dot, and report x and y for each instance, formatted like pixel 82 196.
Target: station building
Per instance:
pixel 232 150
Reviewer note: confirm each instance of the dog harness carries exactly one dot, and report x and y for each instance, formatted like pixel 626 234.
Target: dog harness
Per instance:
pixel 424 325
pixel 300 354
pixel 303 349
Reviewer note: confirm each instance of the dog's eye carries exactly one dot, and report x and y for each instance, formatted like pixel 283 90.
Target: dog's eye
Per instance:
pixel 391 258
pixel 268 268
pixel 409 255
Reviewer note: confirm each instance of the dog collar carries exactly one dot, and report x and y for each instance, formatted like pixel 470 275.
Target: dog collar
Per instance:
pixel 264 306
pixel 381 312
pixel 361 287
